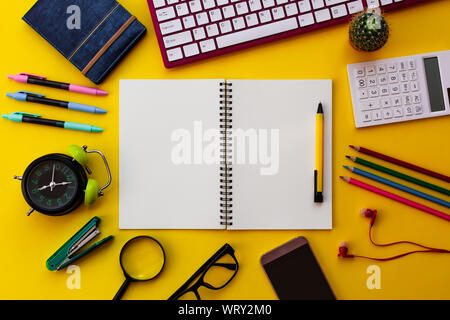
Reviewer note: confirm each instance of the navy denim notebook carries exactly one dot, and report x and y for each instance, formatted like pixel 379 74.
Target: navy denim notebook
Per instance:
pixel 92 34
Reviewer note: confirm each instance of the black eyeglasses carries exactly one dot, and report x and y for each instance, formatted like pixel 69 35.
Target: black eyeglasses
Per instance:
pixel 215 274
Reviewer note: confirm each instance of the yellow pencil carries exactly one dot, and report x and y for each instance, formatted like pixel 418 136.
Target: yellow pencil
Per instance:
pixel 318 173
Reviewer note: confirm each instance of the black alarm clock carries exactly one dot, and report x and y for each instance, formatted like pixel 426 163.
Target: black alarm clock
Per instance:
pixel 57 184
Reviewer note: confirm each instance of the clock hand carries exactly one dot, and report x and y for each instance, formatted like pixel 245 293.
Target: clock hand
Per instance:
pixel 43 188
pixel 62 183
pixel 52 183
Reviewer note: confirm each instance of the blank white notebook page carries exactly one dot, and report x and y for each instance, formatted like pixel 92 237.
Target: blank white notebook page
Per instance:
pixel 274 187
pixel 165 183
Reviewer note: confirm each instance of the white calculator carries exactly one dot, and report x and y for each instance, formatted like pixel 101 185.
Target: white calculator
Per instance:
pixel 400 89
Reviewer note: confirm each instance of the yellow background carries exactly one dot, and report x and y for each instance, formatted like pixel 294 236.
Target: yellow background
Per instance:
pixel 27 242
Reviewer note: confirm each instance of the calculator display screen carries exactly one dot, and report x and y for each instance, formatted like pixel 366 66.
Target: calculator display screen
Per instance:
pixel 434 84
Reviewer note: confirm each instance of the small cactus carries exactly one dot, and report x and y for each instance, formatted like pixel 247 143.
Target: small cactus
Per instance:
pixel 368 31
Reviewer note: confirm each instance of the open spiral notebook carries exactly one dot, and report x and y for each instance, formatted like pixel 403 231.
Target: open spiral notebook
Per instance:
pixel 222 154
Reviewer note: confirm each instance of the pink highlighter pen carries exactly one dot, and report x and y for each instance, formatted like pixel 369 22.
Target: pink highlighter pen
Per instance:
pixel 42 81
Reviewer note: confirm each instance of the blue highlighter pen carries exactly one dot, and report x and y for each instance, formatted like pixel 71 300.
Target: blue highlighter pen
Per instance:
pixel 39 98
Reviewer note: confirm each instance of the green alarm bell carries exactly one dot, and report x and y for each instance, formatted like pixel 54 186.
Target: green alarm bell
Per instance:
pixel 57 184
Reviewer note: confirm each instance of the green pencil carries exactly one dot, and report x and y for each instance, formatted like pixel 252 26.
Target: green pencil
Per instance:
pixel 400 175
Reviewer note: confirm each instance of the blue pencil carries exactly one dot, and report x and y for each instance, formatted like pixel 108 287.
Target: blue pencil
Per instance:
pixel 398 186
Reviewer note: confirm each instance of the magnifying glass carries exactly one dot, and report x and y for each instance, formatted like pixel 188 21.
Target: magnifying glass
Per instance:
pixel 142 259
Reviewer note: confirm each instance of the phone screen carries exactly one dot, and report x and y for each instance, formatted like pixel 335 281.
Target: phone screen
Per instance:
pixel 296 275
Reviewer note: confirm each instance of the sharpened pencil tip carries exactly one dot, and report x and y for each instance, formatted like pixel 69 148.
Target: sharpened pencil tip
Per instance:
pixel 348 157
pixel 347 167
pixel 342 177
pixel 351 146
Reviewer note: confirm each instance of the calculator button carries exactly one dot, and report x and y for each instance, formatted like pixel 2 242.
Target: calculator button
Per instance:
pixel 359 72
pixel 413 75
pixel 392 67
pixel 381 69
pixel 384 90
pixel 418 109
pixel 366 116
pixel 416 98
pixel 404 76
pixel 386 102
pixel 411 64
pixel 363 94
pixel 373 92
pixel 370 105
pixel 414 86
pixel 382 80
pixel 393 78
pixel 376 115
pixel 406 100
pixel 370 71
pixel 362 83
pixel 398 112
pixel 408 111
pixel 387 113
pixel 395 89
pixel 372 81
pixel 405 87
pixel 402 66
pixel 396 101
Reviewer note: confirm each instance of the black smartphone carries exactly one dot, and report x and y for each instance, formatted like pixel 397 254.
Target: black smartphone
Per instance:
pixel 295 273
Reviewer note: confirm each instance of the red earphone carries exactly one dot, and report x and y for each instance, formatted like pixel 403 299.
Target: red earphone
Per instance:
pixel 372 214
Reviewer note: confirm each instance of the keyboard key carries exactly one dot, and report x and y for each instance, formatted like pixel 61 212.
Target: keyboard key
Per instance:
pixel 264 16
pixel 395 89
pixel 208 4
pixel 207 45
pixel 225 26
pixel 212 30
pixel 406 100
pixel 177 39
pixel 228 12
pixel 195 6
pixel 363 94
pixel 317 4
pixel 376 115
pixel 158 3
pixel 252 19
pixel 414 86
pixel 405 87
pixel 278 13
pixel 418 109
pixel 255 5
pixel 387 113
pixel 306 19
pixel 384 90
pixel 404 76
pixel 373 93
pixel 189 22
pixel 392 67
pixel 268 3
pixel 373 4
pixel 182 9
pixel 371 104
pixel 241 8
pixel 398 112
pixel 393 78
pixel 411 64
pixel 170 26
pixel 386 102
pixel 257 32
pixel 402 66
pixel 382 80
pixel 199 33
pixel 355 6
pixel 339 11
pixel 222 2
pixel 172 1
pixel 174 54
pixel 413 75
pixel 372 81
pixel 280 2
pixel 360 72
pixel 409 111
pixel 291 9
pixel 215 15
pixel 396 101
pixel 370 71
pixel 165 14
pixel 238 23
pixel 385 2
pixel 191 50
pixel 202 18
pixel 362 83
pixel 416 98
pixel 322 15
pixel 381 69
pixel 304 6
pixel 333 2
pixel 366 116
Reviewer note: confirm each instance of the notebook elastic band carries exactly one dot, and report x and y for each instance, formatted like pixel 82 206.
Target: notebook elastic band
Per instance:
pixel 108 44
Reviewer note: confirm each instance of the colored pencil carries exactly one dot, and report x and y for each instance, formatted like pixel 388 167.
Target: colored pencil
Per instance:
pixel 401 163
pixel 400 175
pixel 397 198
pixel 398 186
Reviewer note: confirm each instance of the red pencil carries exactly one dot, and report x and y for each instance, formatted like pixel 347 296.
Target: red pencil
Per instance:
pixel 395 197
pixel 401 163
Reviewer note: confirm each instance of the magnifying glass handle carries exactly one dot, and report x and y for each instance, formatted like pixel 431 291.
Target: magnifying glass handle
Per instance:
pixel 122 289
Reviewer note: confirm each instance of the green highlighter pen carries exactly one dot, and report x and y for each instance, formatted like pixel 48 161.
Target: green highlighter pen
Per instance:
pixel 37 119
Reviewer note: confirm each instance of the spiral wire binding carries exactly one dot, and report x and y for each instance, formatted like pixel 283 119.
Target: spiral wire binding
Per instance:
pixel 226 188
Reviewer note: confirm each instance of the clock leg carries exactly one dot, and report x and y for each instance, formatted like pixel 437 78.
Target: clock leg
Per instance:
pixel 30 211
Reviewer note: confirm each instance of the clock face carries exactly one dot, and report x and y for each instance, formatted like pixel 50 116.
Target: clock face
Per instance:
pixel 53 185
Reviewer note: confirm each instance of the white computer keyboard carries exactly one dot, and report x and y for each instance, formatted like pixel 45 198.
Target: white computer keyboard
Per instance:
pixel 400 89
